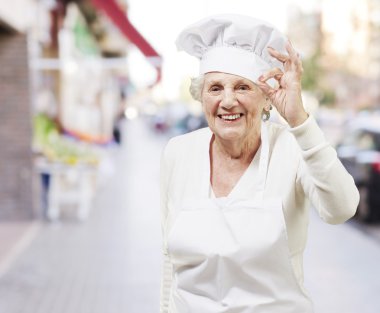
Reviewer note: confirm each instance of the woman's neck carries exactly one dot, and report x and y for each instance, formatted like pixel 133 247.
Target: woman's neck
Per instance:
pixel 242 150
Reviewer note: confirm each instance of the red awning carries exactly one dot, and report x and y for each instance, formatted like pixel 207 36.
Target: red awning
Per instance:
pixel 120 19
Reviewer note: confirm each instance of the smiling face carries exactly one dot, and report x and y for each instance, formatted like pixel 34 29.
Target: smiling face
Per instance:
pixel 232 106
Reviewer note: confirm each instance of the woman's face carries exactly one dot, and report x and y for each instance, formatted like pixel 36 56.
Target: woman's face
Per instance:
pixel 232 105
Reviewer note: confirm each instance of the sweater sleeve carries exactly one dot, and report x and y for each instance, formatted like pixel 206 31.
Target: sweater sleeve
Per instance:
pixel 325 181
pixel 166 274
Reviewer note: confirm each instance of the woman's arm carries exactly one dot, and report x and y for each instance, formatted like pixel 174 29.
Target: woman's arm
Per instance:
pixel 324 179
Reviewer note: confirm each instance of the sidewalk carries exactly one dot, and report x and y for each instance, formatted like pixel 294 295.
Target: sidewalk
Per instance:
pixel 342 268
pixel 108 264
pixel 14 237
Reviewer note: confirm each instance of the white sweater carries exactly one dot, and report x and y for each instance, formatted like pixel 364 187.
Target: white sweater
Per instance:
pixel 302 166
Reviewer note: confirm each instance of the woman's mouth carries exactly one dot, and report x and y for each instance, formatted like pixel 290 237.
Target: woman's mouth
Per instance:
pixel 229 118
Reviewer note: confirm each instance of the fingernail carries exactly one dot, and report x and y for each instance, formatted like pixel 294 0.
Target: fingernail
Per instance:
pixel 261 78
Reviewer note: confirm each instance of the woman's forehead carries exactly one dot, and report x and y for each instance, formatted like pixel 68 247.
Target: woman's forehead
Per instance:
pixel 220 77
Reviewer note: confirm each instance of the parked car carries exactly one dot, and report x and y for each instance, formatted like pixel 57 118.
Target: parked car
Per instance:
pixel 359 152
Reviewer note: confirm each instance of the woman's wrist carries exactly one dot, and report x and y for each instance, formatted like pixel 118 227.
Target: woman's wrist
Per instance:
pixel 300 119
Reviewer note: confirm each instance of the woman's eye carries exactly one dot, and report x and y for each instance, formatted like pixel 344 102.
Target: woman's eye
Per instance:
pixel 215 88
pixel 243 87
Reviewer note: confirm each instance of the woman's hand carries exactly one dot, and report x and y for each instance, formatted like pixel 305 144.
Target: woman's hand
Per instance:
pixel 287 97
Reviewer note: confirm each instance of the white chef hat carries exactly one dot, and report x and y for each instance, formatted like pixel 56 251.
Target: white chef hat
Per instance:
pixel 234 44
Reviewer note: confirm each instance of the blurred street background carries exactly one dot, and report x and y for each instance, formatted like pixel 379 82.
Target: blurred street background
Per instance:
pixel 90 92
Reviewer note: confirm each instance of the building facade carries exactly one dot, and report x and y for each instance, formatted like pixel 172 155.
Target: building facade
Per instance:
pixel 16 170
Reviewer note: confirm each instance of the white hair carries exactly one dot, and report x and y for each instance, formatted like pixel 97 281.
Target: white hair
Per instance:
pixel 196 87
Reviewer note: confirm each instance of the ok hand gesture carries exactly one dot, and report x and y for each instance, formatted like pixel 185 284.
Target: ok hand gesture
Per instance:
pixel 287 96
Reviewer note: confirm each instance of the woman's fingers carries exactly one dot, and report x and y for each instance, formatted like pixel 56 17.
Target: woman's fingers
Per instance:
pixel 279 56
pixel 275 73
pixel 292 53
pixel 287 96
pixel 291 61
pixel 291 74
pixel 265 87
pixel 283 58
pixel 295 58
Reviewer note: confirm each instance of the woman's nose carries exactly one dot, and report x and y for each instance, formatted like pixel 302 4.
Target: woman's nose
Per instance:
pixel 229 98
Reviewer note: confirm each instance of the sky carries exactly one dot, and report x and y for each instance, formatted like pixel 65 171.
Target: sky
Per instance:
pixel 160 22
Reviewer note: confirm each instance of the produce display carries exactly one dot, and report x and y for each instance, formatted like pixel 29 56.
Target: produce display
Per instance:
pixel 59 148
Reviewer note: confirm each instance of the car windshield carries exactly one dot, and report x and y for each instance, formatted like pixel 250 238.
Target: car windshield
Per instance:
pixel 369 141
pixel 363 139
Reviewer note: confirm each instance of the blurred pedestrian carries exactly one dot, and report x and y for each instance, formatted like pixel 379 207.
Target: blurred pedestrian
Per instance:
pixel 120 119
pixel 234 195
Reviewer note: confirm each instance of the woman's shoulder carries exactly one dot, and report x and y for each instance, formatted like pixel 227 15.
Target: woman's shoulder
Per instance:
pixel 279 131
pixel 194 135
pixel 188 143
pixel 281 140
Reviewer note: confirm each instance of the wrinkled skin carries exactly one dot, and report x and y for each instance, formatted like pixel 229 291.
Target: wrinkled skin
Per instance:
pixel 233 107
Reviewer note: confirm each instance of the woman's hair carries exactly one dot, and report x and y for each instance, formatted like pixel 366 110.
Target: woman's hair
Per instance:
pixel 196 87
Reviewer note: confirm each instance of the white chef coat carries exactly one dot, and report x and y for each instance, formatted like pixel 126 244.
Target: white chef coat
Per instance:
pixel 301 165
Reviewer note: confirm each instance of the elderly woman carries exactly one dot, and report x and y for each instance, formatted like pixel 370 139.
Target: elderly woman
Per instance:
pixel 234 195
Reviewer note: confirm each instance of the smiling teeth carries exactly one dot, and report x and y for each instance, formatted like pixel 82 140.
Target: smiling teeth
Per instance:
pixel 230 117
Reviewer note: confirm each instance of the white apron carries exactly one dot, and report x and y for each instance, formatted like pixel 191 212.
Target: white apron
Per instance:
pixel 231 254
